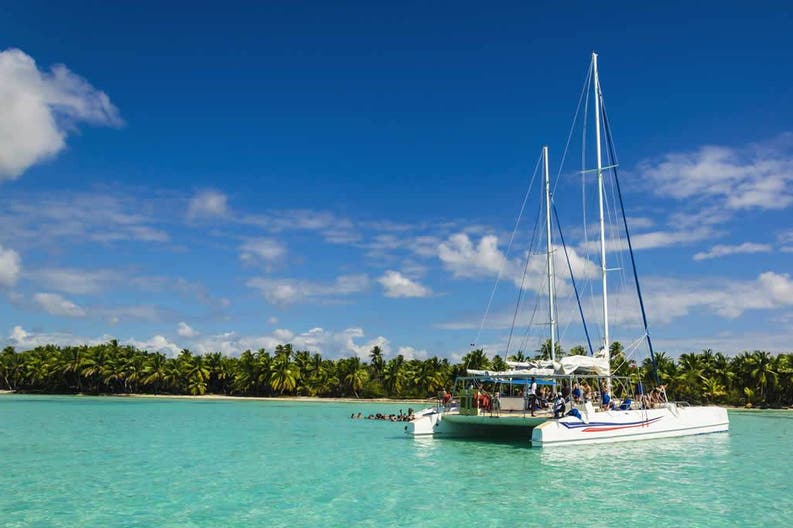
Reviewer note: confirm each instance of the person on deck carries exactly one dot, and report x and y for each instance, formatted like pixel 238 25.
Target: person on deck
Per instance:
pixel 577 393
pixel 559 405
pixel 533 396
pixel 605 397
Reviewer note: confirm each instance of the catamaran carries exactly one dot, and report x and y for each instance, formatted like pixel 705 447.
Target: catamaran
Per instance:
pixel 577 419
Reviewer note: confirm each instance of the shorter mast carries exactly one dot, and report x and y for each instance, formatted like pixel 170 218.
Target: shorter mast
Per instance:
pixel 551 291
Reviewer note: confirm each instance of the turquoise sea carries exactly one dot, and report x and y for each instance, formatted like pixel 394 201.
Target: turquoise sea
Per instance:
pixel 117 462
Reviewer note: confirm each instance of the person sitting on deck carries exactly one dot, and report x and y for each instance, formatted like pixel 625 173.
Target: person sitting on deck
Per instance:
pixel 605 397
pixel 626 403
pixel 559 405
pixel 577 393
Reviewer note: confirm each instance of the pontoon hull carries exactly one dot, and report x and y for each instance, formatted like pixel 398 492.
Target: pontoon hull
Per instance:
pixel 455 425
pixel 623 426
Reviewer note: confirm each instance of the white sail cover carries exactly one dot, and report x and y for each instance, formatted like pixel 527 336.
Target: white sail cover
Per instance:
pixel 519 373
pixel 583 364
pixel 566 366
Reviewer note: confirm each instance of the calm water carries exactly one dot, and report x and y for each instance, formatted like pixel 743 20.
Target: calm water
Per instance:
pixel 81 461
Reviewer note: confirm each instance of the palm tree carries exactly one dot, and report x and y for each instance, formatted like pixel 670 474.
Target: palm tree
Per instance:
pixel 377 363
pixel 761 371
pixel 476 360
pixel 394 376
pixel 498 364
pixel 284 374
pixel 712 389
pixel 155 371
pixel 518 357
pixel 352 374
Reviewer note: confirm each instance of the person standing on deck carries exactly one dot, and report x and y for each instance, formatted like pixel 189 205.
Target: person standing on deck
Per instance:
pixel 533 396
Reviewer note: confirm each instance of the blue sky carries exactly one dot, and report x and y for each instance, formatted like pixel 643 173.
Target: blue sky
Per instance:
pixel 234 175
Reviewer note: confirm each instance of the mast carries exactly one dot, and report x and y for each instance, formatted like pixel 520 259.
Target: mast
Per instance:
pixel 551 292
pixel 603 269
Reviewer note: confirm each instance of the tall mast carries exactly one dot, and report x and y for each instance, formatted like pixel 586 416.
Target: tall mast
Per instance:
pixel 603 269
pixel 551 292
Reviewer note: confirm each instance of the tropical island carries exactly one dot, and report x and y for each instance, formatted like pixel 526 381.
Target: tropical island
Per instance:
pixel 749 379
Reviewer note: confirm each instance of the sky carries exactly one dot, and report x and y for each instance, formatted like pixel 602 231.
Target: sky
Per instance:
pixel 230 176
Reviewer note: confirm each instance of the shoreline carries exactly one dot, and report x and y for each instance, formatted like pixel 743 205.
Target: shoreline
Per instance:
pixel 222 397
pixel 303 399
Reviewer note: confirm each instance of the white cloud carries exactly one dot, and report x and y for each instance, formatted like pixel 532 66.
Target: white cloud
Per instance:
pixel 334 229
pixel 665 299
pixel 76 281
pixel 653 239
pixel 330 344
pixel 272 320
pixel 397 285
pixel 408 352
pixel 65 219
pixel 40 108
pixel 288 291
pixel 668 299
pixel 463 259
pixel 10 266
pixel 266 250
pixel 24 340
pixel 157 343
pixel 459 255
pixel 55 304
pixel 755 176
pixel 184 330
pixel 207 204
pixel 724 250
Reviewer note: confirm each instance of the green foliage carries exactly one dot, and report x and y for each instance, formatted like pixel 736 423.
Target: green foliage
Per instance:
pixel 750 378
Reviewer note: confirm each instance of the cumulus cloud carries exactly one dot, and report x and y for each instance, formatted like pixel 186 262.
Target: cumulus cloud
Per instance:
pixel 408 352
pixel 55 304
pixel 328 343
pixel 207 204
pixel 758 175
pixel 397 285
pixel 40 108
pixel 720 250
pixel 10 266
pixel 24 340
pixel 184 330
pixel 288 291
pixel 157 343
pixel 463 258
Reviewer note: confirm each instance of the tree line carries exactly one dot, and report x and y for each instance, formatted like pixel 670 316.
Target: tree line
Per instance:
pixel 751 378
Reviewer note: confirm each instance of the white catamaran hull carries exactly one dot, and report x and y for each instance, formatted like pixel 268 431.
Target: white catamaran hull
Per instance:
pixel 621 426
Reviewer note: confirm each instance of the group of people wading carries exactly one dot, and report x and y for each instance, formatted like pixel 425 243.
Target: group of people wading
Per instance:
pixel 401 417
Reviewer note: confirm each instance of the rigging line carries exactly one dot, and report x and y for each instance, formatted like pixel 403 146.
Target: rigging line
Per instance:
pixel 583 159
pixel 572 126
pixel 610 144
pixel 509 247
pixel 572 278
pixel 525 342
pixel 523 279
